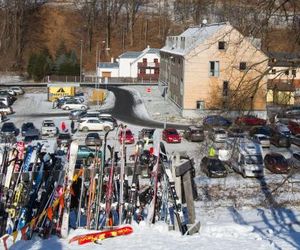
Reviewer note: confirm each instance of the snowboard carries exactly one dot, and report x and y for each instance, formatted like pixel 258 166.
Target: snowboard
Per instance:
pixel 92 237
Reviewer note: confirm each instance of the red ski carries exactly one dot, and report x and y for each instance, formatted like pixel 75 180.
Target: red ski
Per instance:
pixel 92 237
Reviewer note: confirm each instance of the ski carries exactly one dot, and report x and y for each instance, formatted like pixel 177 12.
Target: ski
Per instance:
pixel 69 175
pixel 92 237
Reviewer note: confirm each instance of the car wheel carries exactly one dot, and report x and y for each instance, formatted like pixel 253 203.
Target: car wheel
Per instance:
pixel 85 129
pixel 67 108
pixel 244 174
pixel 107 128
pixel 83 108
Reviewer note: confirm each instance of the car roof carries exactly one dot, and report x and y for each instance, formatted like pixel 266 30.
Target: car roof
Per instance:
pixel 46 121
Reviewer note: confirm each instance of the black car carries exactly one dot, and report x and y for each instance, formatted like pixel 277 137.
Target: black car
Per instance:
pixel 64 139
pixel 76 114
pixel 10 128
pixel 26 126
pixel 262 130
pixel 194 134
pixel 213 167
pixel 216 121
pixel 280 135
pixel 146 134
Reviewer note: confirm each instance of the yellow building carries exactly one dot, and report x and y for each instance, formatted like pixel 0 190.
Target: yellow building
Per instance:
pixel 214 67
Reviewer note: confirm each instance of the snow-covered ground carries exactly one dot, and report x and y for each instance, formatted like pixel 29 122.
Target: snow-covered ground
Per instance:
pixel 226 222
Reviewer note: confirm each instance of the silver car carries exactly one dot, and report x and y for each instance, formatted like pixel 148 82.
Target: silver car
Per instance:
pixel 263 140
pixel 218 135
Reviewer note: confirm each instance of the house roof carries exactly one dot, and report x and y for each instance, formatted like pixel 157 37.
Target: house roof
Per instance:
pixel 131 54
pixel 109 65
pixel 284 59
pixel 191 38
pixel 147 50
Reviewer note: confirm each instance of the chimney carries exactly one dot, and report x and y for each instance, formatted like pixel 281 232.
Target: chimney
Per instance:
pixel 112 60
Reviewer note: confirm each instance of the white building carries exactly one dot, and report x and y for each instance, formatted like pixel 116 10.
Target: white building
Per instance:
pixel 133 64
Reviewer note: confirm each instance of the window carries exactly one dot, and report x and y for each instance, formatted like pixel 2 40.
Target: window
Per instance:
pixel 156 71
pixel 142 71
pixel 225 88
pixel 222 45
pixel 200 105
pixel 214 68
pixel 294 72
pixel 273 71
pixel 155 60
pixel 144 60
pixel 243 65
pixel 286 72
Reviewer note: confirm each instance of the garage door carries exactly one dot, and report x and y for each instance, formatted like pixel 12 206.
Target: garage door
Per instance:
pixel 106 74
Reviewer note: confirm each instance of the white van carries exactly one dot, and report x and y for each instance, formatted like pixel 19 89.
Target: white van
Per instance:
pixel 246 157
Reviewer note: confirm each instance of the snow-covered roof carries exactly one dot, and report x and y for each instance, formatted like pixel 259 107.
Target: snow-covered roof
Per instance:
pixel 131 54
pixel 191 38
pixel 109 65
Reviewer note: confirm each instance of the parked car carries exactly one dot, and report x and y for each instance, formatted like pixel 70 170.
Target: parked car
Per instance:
pixel 295 140
pixel 94 124
pixel 93 139
pixel 294 127
pixel 276 163
pixel 76 114
pixel 31 134
pixel 26 126
pixel 171 135
pixel 218 135
pixel 87 154
pixel 17 90
pixel 236 132
pixel 280 135
pixel 263 140
pixel 74 104
pixel 5 100
pixel 64 139
pixel 49 128
pixel 194 133
pixel 11 98
pixel 61 101
pixel 216 121
pixel 250 120
pixel 263 130
pixel 10 128
pixel 109 118
pixel 4 109
pixel 128 137
pixel 213 167
pixel 11 92
pixel 146 135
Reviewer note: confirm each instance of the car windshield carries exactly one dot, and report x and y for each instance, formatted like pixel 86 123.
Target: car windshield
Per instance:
pixel 27 126
pixel 197 131
pixel 31 138
pixel 220 131
pixel 279 159
pixel 7 127
pixel 64 136
pixel 49 124
pixel 216 164
pixel 94 135
pixel 128 132
pixel 172 132
pixel 253 159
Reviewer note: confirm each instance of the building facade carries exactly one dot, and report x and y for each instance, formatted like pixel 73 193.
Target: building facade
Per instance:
pixel 214 67
pixel 140 65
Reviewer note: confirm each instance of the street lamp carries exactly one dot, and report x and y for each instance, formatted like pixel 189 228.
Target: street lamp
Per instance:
pixel 80 60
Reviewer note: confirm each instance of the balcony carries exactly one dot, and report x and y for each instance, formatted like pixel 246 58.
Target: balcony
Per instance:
pixel 144 76
pixel 148 65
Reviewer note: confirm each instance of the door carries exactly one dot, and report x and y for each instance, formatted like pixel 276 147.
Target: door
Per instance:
pixel 106 74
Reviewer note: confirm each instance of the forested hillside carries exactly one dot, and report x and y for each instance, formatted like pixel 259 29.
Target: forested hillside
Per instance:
pixel 28 26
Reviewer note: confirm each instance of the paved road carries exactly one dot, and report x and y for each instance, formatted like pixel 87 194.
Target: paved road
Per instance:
pixel 124 110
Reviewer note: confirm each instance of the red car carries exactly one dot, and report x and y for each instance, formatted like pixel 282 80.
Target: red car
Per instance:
pixel 294 127
pixel 170 135
pixel 129 139
pixel 276 163
pixel 250 120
